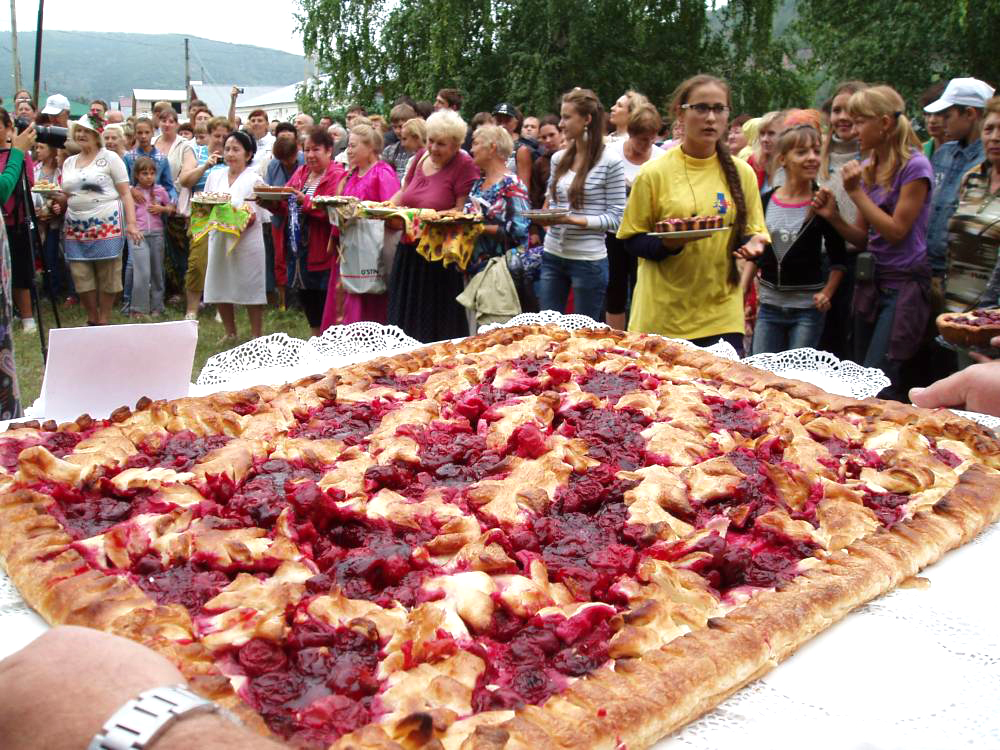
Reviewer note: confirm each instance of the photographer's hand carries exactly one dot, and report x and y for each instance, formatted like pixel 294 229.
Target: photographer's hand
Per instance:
pixel 24 140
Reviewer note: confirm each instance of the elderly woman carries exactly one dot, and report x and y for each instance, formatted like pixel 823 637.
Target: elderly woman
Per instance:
pixel 308 253
pixel 97 187
pixel 422 292
pixel 498 195
pixel 235 275
pixel 114 139
pixel 370 179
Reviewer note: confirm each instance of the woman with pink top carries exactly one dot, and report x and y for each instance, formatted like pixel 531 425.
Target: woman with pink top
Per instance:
pixel 369 179
pixel 147 256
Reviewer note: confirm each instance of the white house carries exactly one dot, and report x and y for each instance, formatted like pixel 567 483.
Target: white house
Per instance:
pixel 144 99
pixel 279 104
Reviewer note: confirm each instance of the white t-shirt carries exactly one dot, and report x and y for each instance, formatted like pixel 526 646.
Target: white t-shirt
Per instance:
pixel 617 149
pixel 93 185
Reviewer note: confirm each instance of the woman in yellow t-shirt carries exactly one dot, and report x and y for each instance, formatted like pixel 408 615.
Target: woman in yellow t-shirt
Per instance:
pixel 690 290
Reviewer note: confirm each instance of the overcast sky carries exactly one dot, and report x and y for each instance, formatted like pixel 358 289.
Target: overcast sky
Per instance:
pixel 264 23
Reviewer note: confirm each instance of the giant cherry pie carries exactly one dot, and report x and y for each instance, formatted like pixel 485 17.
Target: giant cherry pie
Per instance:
pixel 531 539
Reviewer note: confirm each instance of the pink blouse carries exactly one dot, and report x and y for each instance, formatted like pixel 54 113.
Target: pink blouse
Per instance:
pixel 441 190
pixel 377 184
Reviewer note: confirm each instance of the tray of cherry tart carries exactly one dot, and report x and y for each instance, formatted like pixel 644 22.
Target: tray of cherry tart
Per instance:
pixel 211 199
pixel 269 193
pixel 971 330
pixel 690 228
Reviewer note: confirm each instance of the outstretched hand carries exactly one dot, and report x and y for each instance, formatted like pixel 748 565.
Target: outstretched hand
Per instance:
pixel 976 388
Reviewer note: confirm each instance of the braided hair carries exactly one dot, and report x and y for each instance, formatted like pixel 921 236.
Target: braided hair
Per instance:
pixel 729 170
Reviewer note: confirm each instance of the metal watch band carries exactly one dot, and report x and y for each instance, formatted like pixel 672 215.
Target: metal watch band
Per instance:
pixel 140 721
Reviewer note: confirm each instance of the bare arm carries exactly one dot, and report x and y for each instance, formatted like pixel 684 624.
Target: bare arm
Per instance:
pixel 524 163
pixel 235 92
pixel 131 229
pixel 893 228
pixel 825 205
pixel 189 167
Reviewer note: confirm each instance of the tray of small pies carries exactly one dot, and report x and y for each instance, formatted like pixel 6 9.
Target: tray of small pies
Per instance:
pixel 211 199
pixel 443 218
pixel 334 200
pixel 375 210
pixel 689 228
pixel 262 193
pixel 44 187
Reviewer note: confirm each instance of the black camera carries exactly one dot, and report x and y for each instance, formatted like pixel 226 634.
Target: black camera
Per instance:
pixel 50 135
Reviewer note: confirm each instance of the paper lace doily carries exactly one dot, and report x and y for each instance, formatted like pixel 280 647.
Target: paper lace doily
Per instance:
pixel 279 358
pixel 822 369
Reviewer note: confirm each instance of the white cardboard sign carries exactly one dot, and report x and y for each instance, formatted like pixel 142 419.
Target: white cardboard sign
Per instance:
pixel 96 369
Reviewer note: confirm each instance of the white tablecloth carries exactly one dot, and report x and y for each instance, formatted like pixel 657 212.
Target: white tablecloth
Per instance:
pixel 916 669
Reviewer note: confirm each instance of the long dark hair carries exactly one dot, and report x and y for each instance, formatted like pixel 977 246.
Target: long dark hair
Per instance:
pixel 585 102
pixel 729 170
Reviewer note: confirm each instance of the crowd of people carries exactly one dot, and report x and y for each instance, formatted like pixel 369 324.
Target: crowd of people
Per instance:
pixel 837 220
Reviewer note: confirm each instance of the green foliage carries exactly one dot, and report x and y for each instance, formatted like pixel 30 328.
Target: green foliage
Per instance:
pixel 531 52
pixel 909 44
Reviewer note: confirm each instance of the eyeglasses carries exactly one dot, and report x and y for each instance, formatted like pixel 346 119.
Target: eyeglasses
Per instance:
pixel 703 109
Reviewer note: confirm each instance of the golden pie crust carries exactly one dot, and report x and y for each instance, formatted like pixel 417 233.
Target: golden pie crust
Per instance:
pixel 959 328
pixel 679 646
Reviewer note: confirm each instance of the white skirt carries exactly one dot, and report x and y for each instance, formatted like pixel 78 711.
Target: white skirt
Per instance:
pixel 236 277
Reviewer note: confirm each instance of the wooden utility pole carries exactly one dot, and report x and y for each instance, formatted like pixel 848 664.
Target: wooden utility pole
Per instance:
pixel 187 76
pixel 13 44
pixel 38 52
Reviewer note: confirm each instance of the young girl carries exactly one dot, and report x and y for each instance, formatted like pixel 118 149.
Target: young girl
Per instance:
pixel 145 261
pixel 762 158
pixel 589 182
pixel 690 290
pixel 892 192
pixel 795 291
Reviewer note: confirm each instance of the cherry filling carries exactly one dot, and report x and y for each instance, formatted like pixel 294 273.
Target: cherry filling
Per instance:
pixel 179 451
pixel 187 583
pixel 612 435
pixel 529 660
pixel 888 507
pixel 585 540
pixel 944 455
pixel 273 486
pixel 474 402
pixel 735 415
pixel 319 685
pixel 94 508
pixel 349 421
pixel 854 457
pixel 614 385
pixel 403 382
pixel 531 365
pixel 980 318
pixel 59 444
pixel 372 559
pixel 755 558
pixel 451 455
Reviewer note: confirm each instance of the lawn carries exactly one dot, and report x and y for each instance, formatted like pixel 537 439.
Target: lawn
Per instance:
pixel 28 355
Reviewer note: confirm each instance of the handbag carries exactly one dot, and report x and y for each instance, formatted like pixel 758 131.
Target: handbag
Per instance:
pixel 360 258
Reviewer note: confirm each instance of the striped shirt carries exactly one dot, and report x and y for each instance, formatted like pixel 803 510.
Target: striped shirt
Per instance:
pixel 603 206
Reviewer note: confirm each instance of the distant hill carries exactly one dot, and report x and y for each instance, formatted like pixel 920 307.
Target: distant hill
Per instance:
pixel 84 64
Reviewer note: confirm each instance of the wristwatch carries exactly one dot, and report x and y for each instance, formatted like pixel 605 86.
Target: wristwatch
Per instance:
pixel 139 722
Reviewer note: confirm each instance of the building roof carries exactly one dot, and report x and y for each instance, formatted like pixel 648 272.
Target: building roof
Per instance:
pixel 217 97
pixel 155 95
pixel 284 95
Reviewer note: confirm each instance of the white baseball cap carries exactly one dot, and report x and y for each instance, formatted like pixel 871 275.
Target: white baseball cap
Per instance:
pixel 55 104
pixel 962 92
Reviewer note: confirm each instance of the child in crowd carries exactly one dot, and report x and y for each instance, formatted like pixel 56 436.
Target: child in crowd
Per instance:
pixel 144 271
pixel 201 134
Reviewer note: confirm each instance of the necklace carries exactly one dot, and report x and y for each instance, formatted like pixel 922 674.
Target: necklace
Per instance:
pixel 687 177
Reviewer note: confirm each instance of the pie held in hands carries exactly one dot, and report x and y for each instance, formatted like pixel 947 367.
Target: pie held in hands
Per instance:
pixel 534 538
pixel 973 328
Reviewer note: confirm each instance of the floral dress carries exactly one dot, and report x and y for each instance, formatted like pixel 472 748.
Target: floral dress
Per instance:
pixel 503 205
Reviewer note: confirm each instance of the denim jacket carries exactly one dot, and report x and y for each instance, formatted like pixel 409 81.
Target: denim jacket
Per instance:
pixel 163 176
pixel 951 161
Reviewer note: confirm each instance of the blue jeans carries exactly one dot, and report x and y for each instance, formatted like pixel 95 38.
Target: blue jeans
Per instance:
pixel 781 328
pixel 871 340
pixel 589 279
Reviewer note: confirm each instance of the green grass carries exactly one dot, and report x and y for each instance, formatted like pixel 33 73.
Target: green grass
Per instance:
pixel 28 355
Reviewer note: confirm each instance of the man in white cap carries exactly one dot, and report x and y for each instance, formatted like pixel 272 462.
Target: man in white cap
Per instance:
pixel 57 107
pixel 961 105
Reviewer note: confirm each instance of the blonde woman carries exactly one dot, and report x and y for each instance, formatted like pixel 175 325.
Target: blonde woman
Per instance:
pixel 422 292
pixel 621 112
pixel 413 136
pixel 762 158
pixel 892 193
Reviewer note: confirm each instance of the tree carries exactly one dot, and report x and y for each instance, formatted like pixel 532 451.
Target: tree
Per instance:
pixel 909 44
pixel 530 52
